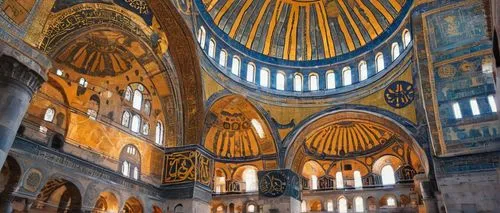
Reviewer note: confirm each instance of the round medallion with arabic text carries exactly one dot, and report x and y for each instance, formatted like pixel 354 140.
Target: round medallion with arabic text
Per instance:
pixel 273 184
pixel 399 94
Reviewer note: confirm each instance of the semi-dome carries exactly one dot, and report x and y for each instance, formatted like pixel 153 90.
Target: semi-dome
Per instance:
pixel 302 30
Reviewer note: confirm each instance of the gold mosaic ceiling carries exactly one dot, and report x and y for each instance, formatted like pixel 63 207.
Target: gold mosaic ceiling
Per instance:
pixel 348 137
pixel 237 130
pixel 304 29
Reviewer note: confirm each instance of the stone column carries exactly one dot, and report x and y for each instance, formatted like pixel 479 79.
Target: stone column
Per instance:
pixel 427 190
pixel 20 78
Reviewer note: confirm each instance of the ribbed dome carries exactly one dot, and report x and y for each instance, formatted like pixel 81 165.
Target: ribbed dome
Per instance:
pixel 304 29
pixel 347 137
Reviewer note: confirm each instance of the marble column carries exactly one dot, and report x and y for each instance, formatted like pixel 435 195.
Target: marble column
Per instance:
pixel 20 78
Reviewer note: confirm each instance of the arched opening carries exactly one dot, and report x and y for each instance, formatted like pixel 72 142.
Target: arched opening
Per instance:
pixel 303 206
pixel 346 76
pixel 395 50
pixel 387 174
pixel 342 205
pixel 130 162
pixel 406 38
pixel 159 133
pixel 106 202
pixel 219 181
pixel 372 204
pixel 58 195
pixel 330 79
pixel 313 82
pixel 10 175
pixel 363 71
pixel 235 66
pixel 264 77
pixel 379 62
pixel 311 171
pixel 339 180
pixel 251 72
pixel 388 201
pixel 49 114
pixel 358 183
pixel 280 81
pixel 202 34
pixel 137 101
pixel 250 178
pixel 329 206
pixel 132 205
pixel 126 119
pixel 359 206
pixel 223 58
pixel 57 141
pixel 297 82
pixel 315 206
pixel 251 208
pixel 211 48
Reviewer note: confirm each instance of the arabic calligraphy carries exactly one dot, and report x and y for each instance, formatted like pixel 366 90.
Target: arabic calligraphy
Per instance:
pixel 399 94
pixel 180 167
pixel 273 184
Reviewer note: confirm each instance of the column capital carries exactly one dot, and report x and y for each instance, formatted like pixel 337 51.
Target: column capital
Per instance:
pixel 23 65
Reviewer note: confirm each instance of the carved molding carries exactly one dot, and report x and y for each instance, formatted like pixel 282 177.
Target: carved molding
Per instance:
pixel 12 69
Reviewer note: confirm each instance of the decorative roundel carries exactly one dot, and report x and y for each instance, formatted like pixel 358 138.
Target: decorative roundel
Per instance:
pixel 399 94
pixel 273 184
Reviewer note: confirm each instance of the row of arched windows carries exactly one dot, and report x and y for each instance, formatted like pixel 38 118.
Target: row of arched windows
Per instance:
pixel 313 84
pixel 387 174
pixel 135 125
pixel 474 107
pixel 342 205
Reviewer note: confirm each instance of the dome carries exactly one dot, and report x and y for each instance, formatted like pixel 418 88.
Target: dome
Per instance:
pixel 304 30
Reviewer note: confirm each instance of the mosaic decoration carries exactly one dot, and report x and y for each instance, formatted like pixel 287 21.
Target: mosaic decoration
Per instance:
pixel 81 16
pixel 304 30
pixel 399 94
pixel 17 10
pixel 188 166
pixel 347 137
pixel 180 167
pixel 273 184
pixel 32 180
pixel 139 7
pixel 236 130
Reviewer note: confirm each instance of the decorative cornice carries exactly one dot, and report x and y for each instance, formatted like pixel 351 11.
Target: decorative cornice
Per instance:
pixel 12 69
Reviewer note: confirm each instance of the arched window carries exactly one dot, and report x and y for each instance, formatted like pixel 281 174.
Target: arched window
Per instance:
pixel 313 82
pixel 491 102
pixel 379 61
pixel 126 119
pixel 179 208
pixel 330 79
pixel 264 77
pixel 329 206
pixel 159 133
pixel 223 58
pixel 357 179
pixel 128 93
pixel 235 67
pixel 49 114
pixel 137 101
pixel 359 205
pixel 391 201
pixel 250 179
pixel 303 206
pixel 136 123
pixel 147 107
pixel 314 182
pixel 474 107
pixel 297 82
pixel 280 81
pixel 395 50
pixel 258 128
pixel 251 208
pixel 211 48
pixel 406 38
pixel 363 71
pixel 83 83
pixel 343 205
pixel 202 34
pixel 136 173
pixel 456 110
pixel 220 184
pixel 125 168
pixel 145 129
pixel 387 174
pixel 251 72
pixel 346 76
pixel 339 180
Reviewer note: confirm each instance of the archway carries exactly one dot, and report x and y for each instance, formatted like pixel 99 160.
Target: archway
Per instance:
pixel 107 202
pixel 157 209
pixel 58 195
pixel 10 175
pixel 132 205
pixel 352 135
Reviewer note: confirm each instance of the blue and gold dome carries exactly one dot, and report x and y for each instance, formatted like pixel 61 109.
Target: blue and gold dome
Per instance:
pixel 303 30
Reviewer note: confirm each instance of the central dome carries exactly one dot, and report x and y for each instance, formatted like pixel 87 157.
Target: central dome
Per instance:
pixel 302 30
